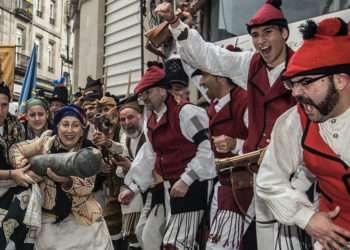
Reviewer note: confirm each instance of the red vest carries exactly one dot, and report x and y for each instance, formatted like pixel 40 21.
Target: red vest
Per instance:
pixel 265 103
pixel 173 150
pixel 230 119
pixel 332 173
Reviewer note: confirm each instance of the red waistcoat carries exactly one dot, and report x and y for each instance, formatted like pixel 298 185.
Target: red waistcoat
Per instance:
pixel 265 103
pixel 332 173
pixel 230 119
pixel 173 150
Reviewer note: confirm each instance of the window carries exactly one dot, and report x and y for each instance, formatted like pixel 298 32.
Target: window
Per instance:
pixel 38 42
pixel 52 12
pixel 38 6
pixel 19 4
pixel 20 43
pixel 50 56
pixel 228 17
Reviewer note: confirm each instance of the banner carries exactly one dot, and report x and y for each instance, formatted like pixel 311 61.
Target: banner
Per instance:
pixel 7 65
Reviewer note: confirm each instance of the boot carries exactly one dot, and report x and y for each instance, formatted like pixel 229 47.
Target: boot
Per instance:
pixel 84 163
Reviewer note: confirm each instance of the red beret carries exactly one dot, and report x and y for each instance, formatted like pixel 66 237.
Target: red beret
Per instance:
pixel 268 14
pixel 325 50
pixel 153 77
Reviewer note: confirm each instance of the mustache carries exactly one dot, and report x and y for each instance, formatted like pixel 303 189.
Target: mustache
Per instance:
pixel 308 101
pixel 305 100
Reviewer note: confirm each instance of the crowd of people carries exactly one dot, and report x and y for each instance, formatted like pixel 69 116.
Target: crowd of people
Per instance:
pixel 159 185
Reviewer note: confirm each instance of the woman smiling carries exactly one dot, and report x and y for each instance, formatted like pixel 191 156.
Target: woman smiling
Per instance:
pixel 72 218
pixel 37 117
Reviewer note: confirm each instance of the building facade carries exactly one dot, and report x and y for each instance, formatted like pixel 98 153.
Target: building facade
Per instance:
pixel 24 23
pixel 109 43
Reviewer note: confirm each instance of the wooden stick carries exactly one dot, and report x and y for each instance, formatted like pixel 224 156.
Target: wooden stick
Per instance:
pixel 105 81
pixel 129 85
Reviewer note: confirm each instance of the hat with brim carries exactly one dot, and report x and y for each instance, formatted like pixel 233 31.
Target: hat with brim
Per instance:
pixel 90 99
pixel 175 72
pixel 130 102
pixel 60 94
pixel 107 101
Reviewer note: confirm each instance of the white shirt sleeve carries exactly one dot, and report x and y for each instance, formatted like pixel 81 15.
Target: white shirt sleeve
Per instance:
pixel 196 80
pixel 139 176
pixel 210 57
pixel 202 166
pixel 283 158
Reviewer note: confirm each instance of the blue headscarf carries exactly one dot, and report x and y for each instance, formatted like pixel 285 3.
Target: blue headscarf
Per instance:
pixel 69 110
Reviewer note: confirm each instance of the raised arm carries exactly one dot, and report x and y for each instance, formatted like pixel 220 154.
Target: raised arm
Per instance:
pixel 204 55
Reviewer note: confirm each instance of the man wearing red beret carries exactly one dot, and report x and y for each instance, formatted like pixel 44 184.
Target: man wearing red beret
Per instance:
pixel 228 106
pixel 257 72
pixel 178 150
pixel 314 134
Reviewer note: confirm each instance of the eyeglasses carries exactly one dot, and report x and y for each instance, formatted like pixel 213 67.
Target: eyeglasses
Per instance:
pixel 144 94
pixel 289 84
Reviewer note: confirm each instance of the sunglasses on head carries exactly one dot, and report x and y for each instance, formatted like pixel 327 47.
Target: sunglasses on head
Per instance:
pixel 289 83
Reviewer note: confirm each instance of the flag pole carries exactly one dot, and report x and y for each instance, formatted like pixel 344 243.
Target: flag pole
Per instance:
pixel 29 82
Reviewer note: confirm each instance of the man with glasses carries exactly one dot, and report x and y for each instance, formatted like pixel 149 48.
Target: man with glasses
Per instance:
pixel 314 134
pixel 178 150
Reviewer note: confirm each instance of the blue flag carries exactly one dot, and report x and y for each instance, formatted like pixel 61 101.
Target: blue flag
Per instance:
pixel 29 80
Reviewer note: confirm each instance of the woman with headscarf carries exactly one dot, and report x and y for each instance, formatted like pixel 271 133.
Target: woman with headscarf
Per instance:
pixel 72 218
pixel 37 115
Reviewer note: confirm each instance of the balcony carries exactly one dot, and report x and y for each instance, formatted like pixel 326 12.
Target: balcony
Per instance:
pixel 21 63
pixel 24 10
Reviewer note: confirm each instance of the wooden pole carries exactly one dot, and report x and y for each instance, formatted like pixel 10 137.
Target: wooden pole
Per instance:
pixel 129 85
pixel 105 81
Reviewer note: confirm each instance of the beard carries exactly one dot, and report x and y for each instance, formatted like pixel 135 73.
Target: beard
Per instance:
pixel 326 106
pixel 133 131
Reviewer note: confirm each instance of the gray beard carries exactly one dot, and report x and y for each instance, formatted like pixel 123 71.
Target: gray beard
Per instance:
pixel 133 135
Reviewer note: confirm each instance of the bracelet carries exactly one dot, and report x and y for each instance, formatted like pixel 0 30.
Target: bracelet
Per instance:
pixel 10 174
pixel 174 20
